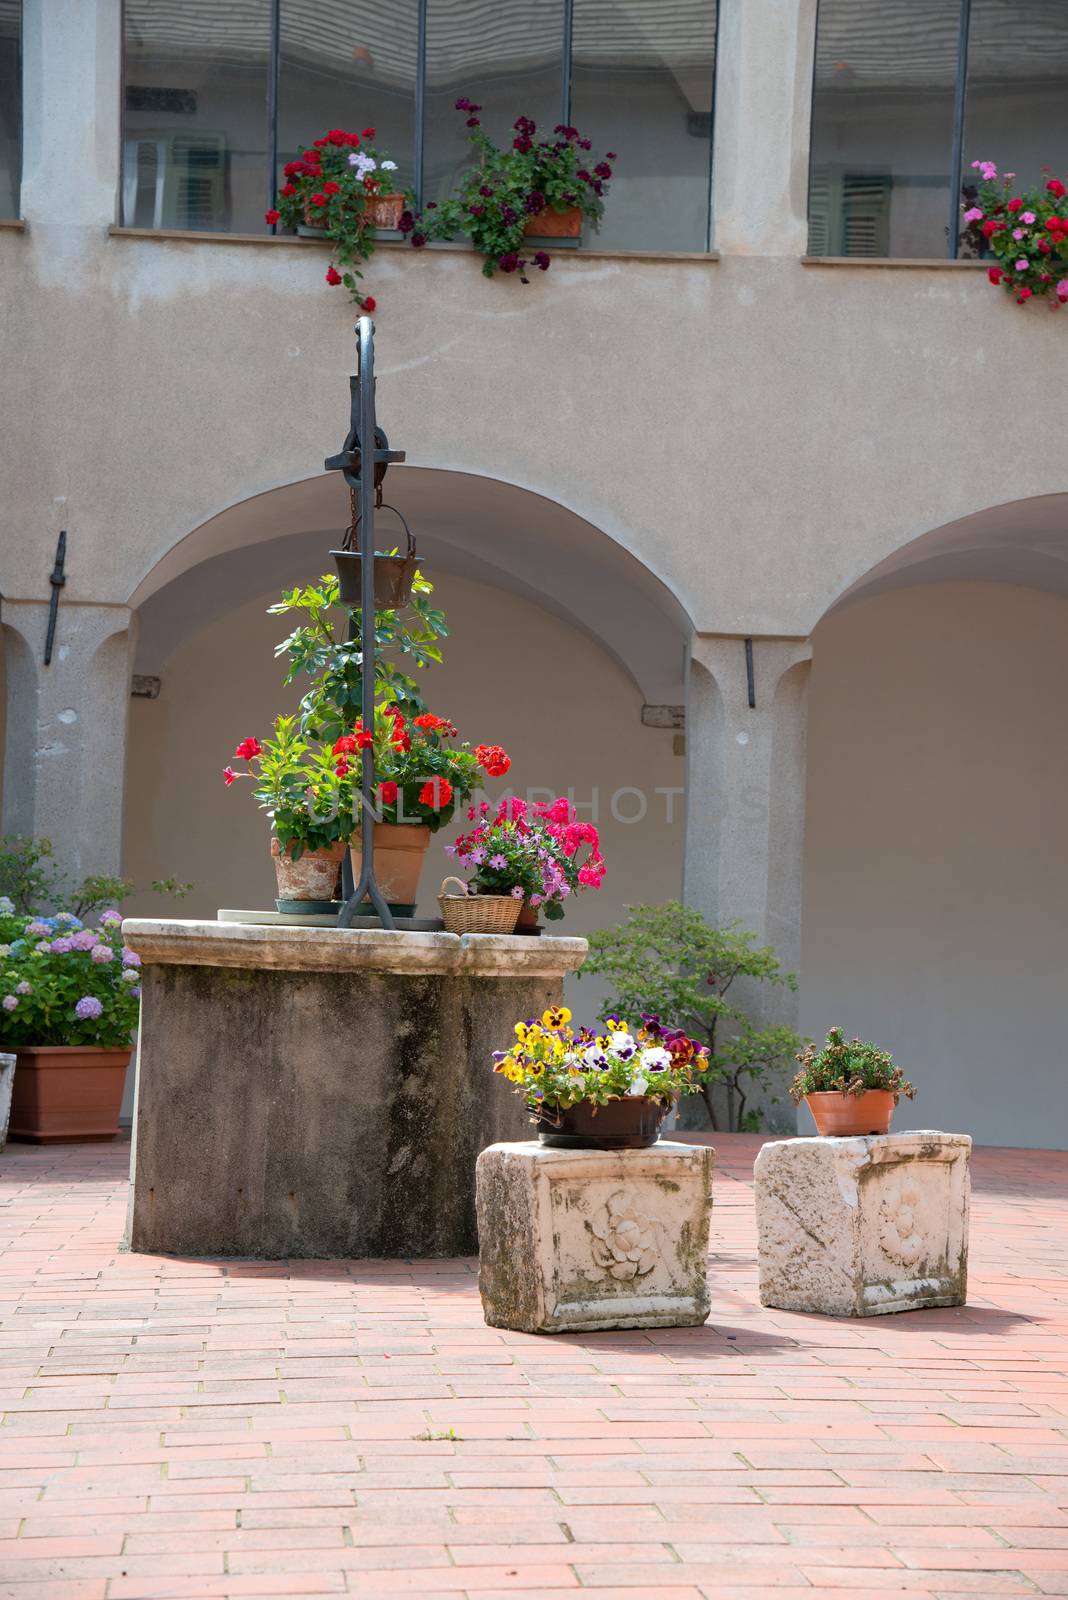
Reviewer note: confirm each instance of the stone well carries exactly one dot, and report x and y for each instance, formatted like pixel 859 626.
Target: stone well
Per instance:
pixel 324 1092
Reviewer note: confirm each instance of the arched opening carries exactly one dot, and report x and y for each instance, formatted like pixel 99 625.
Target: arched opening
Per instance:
pixel 559 638
pixel 936 860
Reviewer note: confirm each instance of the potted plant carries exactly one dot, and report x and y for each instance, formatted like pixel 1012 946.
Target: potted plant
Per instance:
pixel 422 777
pixel 68 1008
pixel 306 789
pixel 1027 234
pixel 534 853
pixel 600 1091
pixel 670 961
pixel 534 188
pixel 850 1087
pixel 340 188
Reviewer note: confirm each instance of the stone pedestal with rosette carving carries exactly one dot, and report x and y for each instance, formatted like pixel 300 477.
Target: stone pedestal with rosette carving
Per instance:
pixel 859 1227
pixel 571 1240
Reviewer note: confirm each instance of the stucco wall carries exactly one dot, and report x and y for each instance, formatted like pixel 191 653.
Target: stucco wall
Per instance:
pixel 936 863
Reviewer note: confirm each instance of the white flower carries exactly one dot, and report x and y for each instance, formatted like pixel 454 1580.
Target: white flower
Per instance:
pixel 7 907
pixel 655 1059
pixel 594 1056
pixel 638 1084
pixel 389 166
pixel 362 162
pixel 621 1040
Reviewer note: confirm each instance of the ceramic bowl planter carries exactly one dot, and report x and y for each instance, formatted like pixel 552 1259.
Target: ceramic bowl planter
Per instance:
pixel 67 1093
pixel 632 1122
pixel 311 876
pixel 844 1116
pixel 400 850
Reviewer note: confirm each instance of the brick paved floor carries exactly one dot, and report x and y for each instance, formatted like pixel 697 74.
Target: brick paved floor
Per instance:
pixel 203 1428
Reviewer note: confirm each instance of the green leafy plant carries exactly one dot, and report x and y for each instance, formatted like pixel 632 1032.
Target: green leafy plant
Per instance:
pixel 62 983
pixel 334 186
pixel 669 961
pixel 305 787
pixel 327 646
pixel 33 881
pixel 504 190
pixel 851 1066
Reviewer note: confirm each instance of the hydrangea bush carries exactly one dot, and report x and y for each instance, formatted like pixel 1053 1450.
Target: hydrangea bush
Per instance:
pixel 63 982
pixel 1027 234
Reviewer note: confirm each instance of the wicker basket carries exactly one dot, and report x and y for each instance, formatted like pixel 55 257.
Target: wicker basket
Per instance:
pixel 477 913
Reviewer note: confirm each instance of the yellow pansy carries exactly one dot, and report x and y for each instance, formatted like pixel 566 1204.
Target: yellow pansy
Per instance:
pixel 558 1017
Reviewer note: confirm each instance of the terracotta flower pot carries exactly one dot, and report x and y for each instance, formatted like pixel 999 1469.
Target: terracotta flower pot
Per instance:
pixel 844 1116
pixel 380 211
pixel 312 877
pixel 67 1093
pixel 400 850
pixel 549 224
pixel 527 921
pixel 632 1122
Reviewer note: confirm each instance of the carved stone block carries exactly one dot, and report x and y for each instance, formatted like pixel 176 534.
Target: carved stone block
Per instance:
pixel 582 1239
pixel 859 1227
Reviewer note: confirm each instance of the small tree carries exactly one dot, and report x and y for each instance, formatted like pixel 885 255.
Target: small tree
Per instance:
pixel 669 961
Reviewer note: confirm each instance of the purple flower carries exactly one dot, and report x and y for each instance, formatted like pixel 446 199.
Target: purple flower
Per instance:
pixel 472 122
pixel 37 929
pixel 541 260
pixel 131 975
pixel 534 202
pixel 509 262
pixel 517 892
pixel 485 191
pixel 23 988
pixel 1021 266
pixel 406 222
pixel 130 958
pixel 603 170
pixel 100 953
pixel 477 856
pixel 110 916
pixel 85 939
pixel 419 240
pixel 62 946
pixel 498 862
pixel 536 899
pixel 476 211
pixel 9 1002
pixel 88 1008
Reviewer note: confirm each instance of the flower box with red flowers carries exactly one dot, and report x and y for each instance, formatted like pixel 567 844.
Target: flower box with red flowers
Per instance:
pixel 1026 234
pixel 340 188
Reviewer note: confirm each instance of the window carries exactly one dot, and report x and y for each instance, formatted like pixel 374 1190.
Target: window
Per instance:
pixel 213 113
pixel 907 94
pixel 10 106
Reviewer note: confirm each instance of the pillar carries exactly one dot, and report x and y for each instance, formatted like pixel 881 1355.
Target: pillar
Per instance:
pixel 765 59
pixel 65 733
pixel 745 808
pixel 72 93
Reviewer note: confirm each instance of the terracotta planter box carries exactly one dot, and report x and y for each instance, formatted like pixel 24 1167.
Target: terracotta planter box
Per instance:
pixel 549 224
pixel 380 211
pixel 65 1094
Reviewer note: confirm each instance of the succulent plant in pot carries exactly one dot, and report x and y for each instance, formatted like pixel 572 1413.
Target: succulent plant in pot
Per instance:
pixel 850 1086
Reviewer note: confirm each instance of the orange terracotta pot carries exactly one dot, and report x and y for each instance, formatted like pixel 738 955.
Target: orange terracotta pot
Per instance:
pixel 379 211
pixel 400 850
pixel 65 1093
pixel 312 877
pixel 844 1116
pixel 549 224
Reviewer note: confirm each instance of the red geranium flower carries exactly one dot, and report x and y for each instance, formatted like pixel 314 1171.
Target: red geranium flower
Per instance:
pixel 388 791
pixel 272 215
pixel 436 794
pixel 368 133
pixel 1015 205
pixel 331 187
pixel 1056 187
pixel 369 302
pixel 289 190
pixel 333 275
pixel 342 768
pixel 994 274
pixel 433 724
pixel 247 749
pixel 318 200
pixel 492 759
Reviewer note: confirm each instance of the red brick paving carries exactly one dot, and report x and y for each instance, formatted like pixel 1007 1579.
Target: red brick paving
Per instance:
pixel 184 1428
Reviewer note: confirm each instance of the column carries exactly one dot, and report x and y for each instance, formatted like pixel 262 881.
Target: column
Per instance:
pixel 745 803
pixel 72 94
pixel 66 725
pixel 765 58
